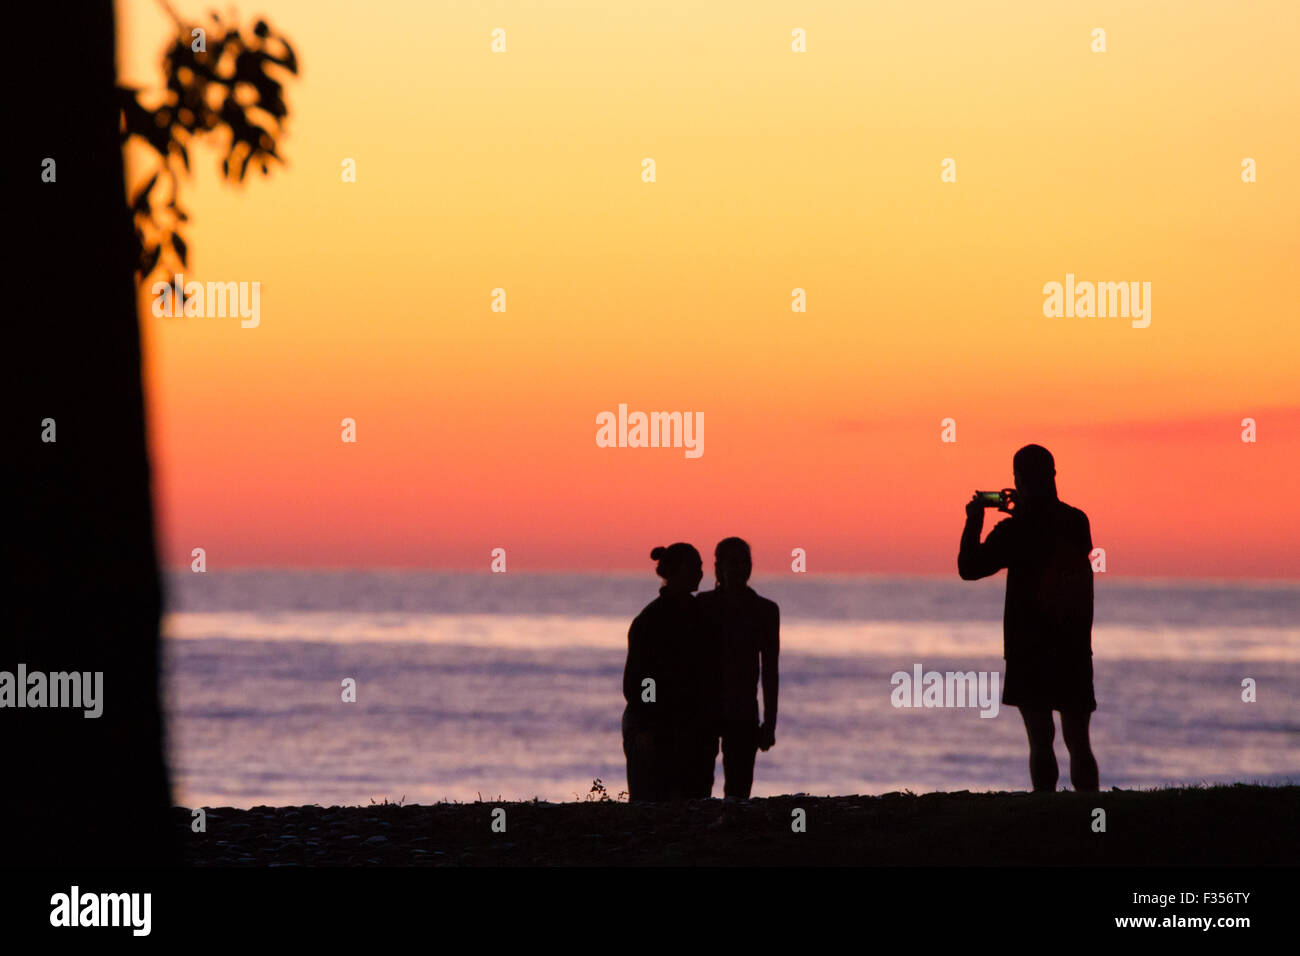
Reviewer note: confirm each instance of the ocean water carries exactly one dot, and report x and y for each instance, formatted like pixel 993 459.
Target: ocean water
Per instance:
pixel 509 685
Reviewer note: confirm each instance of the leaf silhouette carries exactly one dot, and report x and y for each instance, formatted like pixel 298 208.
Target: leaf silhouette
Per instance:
pixel 141 201
pixel 199 98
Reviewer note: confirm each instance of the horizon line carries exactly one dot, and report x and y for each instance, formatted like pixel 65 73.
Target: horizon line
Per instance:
pixel 1153 579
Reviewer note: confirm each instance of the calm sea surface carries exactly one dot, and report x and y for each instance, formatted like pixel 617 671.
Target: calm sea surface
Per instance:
pixel 509 685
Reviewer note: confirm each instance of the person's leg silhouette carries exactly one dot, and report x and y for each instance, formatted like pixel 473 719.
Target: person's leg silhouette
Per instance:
pixel 1083 765
pixel 1042 758
pixel 739 749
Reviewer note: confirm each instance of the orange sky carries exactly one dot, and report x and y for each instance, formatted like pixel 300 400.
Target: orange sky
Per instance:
pixel 775 170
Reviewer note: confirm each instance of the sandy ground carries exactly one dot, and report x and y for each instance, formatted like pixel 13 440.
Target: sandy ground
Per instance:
pixel 1207 826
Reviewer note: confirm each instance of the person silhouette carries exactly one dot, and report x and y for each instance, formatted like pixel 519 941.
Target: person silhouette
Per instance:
pixel 663 690
pixel 1047 619
pixel 746 630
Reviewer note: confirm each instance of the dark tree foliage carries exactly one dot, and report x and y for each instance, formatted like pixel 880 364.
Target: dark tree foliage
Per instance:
pixel 218 80
pixel 83 590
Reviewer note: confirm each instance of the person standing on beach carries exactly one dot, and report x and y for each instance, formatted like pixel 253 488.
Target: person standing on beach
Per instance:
pixel 661 736
pixel 746 629
pixel 1047 622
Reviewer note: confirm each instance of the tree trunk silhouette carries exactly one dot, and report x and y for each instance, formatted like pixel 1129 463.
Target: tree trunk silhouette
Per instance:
pixel 86 592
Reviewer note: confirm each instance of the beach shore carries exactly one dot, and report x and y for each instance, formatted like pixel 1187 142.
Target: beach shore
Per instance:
pixel 1222 825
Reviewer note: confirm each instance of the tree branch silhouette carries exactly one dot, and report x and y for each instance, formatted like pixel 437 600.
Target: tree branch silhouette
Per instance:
pixel 217 80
